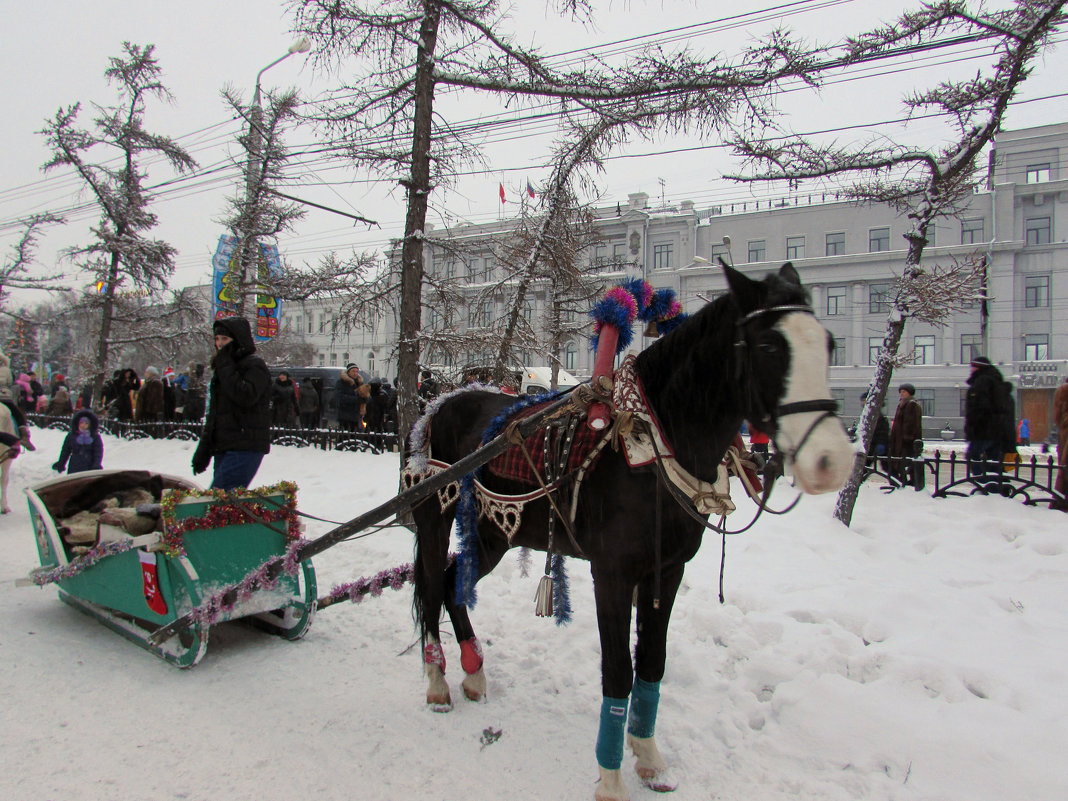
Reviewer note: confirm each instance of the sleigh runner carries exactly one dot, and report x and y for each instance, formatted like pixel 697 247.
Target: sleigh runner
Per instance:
pixel 134 582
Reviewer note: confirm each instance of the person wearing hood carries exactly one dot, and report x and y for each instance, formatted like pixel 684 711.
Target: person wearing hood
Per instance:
pixel 83 448
pixel 150 405
pixel 129 383
pixel 984 417
pixel 236 432
pixel 352 395
pixel 285 410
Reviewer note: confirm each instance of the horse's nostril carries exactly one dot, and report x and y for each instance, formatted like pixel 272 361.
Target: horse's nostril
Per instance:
pixel 824 464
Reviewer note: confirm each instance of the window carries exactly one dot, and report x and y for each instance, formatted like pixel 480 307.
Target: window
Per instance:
pixel 795 247
pixel 758 250
pixel 370 365
pixel 878 239
pixel 878 298
pixel 963 403
pixel 1037 173
pixel 528 311
pixel 1037 231
pixel 333 359
pixel 662 257
pixel 971 231
pixel 345 357
pixel 836 300
pixel 720 250
pixel 1036 347
pixel 310 324
pixel 924 347
pixel 322 326
pixel 838 352
pixel 474 271
pixel 875 344
pixel 971 345
pixel 926 399
pixel 1036 291
pixel 619 253
pixel 322 359
pixel 836 244
pixel 570 355
pixel 479 315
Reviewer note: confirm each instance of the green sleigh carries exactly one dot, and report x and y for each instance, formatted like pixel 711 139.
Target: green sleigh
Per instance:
pixel 210 540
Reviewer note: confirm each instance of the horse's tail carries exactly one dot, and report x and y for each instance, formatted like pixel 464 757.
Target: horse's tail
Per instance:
pixel 428 565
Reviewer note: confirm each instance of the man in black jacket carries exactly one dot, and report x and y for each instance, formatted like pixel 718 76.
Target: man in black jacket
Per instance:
pixel 237 428
pixel 984 417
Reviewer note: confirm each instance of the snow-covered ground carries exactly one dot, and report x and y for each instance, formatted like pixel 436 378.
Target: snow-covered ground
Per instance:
pixel 920 654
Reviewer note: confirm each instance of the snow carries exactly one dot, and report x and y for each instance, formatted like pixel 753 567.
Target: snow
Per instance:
pixel 918 655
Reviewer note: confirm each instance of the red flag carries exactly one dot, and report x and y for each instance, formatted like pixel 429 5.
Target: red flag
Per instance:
pixel 502 192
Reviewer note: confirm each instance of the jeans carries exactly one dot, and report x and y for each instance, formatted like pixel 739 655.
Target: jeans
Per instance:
pixel 235 469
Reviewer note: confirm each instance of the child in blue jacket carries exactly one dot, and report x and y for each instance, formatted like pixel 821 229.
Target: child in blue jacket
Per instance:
pixel 83 449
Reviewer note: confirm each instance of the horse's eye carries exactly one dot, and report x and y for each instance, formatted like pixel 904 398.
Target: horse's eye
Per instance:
pixel 769 347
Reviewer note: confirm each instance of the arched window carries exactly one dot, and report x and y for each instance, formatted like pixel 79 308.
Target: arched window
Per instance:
pixel 570 355
pixel 371 363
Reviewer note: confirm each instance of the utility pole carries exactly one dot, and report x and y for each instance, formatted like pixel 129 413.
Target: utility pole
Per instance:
pixel 248 246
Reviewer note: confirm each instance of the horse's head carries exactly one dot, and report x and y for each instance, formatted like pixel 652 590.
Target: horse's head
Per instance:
pixel 781 358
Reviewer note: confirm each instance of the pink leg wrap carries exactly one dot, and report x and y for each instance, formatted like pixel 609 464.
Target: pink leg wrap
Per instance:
pixel 470 655
pixel 434 655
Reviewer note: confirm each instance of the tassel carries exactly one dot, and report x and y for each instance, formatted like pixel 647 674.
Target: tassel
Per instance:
pixel 543 599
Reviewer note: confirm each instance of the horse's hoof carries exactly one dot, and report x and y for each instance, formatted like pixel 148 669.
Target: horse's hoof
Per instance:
pixel 474 685
pixel 659 781
pixel 610 786
pixel 440 708
pixel 439 702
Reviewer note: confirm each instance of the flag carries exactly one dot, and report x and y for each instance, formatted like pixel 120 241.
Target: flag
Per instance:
pixel 502 192
pixel 530 189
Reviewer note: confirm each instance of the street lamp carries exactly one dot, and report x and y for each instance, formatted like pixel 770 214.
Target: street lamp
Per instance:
pixel 252 174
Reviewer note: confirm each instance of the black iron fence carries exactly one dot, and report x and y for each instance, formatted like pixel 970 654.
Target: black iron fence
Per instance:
pixel 1033 480
pixel 324 438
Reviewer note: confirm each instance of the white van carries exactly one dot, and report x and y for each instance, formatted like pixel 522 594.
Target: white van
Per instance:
pixel 536 380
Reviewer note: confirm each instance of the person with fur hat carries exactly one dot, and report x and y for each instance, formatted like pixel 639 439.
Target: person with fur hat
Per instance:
pixel 83 448
pixel 984 417
pixel 236 432
pixel 906 429
pixel 150 405
pixel 352 395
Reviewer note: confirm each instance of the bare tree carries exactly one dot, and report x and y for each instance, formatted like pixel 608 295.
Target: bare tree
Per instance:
pixel 385 116
pixel 15 273
pixel 924 184
pixel 121 257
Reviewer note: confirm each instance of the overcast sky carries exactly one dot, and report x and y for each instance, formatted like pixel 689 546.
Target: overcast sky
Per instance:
pixel 55 54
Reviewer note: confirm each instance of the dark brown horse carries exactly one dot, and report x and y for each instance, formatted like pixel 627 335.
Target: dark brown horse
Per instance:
pixel 756 353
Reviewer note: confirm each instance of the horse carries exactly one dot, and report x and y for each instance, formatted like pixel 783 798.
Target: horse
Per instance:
pixel 9 449
pixel 755 353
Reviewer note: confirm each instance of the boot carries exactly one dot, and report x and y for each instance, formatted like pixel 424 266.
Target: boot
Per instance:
pixel 24 435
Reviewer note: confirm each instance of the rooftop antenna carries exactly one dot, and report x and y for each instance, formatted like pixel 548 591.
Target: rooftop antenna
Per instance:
pixel 663 199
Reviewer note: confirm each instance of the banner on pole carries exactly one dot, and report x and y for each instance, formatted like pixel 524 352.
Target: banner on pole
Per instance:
pixel 226 279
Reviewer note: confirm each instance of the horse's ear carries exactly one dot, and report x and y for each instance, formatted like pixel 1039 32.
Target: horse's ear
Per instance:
pixel 746 291
pixel 789 274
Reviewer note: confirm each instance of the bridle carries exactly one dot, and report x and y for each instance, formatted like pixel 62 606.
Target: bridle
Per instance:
pixel 770 421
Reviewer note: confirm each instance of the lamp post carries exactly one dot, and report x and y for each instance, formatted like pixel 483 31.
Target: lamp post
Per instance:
pixel 253 174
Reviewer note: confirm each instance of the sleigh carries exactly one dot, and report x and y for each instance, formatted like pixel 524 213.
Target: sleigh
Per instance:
pixel 136 583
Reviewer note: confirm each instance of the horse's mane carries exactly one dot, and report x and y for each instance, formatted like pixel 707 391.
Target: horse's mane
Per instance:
pixel 690 374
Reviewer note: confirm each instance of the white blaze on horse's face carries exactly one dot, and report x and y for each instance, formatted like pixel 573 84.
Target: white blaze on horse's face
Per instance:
pixel 826 457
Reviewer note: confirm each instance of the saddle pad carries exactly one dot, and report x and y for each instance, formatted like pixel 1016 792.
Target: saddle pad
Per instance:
pixel 513 465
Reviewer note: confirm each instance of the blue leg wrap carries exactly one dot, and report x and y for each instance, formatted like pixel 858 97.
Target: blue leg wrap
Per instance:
pixel 644 700
pixel 610 735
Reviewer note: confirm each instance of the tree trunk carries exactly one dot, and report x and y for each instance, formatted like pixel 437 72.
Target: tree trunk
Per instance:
pixel 106 315
pixel 415 225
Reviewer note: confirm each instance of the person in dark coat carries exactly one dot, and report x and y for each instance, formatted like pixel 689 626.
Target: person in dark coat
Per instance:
pixel 906 429
pixel 236 432
pixel 377 405
pixel 83 449
pixel 59 405
pixel 285 409
pixel 150 398
pixel 309 404
pixel 195 393
pixel 352 396
pixel 984 424
pixel 129 383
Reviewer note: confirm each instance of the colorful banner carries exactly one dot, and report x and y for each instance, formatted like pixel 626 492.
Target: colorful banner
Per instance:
pixel 224 296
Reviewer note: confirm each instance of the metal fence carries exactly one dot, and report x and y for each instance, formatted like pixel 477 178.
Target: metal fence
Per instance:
pixel 325 438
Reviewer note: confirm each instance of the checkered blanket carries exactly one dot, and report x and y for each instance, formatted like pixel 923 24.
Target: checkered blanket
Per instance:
pixel 513 465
